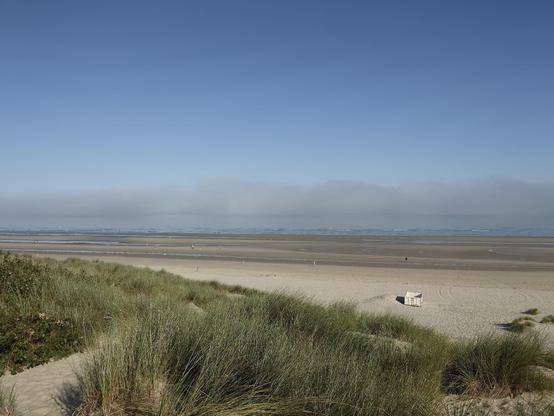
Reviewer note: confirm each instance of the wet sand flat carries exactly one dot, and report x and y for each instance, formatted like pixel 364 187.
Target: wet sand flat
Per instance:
pixel 464 253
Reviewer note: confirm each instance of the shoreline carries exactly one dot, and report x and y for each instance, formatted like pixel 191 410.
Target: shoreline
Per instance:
pixel 457 253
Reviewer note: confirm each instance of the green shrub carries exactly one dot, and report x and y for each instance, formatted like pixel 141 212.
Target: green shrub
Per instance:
pixel 21 277
pixel 548 319
pixel 27 341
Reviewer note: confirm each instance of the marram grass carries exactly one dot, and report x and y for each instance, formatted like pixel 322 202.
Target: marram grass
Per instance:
pixel 150 352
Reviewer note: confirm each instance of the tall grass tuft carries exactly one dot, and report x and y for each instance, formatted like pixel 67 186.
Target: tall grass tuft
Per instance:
pixel 259 356
pixel 7 402
pixel 548 319
pixel 498 365
pixel 126 373
pixel 521 324
pixel 532 311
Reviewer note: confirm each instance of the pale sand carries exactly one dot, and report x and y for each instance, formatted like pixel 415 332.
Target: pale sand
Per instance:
pixel 45 390
pixel 458 303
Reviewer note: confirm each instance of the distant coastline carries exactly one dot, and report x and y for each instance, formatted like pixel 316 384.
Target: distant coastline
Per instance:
pixel 347 231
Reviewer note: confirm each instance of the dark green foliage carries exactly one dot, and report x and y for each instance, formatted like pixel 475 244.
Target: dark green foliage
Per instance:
pixel 28 336
pixel 21 277
pixel 27 341
pixel 548 319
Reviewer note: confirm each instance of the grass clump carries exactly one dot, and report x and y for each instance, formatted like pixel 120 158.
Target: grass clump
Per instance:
pixel 126 373
pixel 521 324
pixel 548 319
pixel 532 311
pixel 49 309
pixel 499 365
pixel 259 357
pixel 7 402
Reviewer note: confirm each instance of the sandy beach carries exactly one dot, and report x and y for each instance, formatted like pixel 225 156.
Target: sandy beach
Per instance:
pixel 471 285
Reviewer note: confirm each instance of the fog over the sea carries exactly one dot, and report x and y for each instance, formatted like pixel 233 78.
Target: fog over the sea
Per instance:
pixel 484 203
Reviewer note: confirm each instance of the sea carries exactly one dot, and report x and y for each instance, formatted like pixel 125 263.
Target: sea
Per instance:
pixel 503 231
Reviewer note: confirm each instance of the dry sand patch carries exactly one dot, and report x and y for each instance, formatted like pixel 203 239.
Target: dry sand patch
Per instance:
pixel 46 390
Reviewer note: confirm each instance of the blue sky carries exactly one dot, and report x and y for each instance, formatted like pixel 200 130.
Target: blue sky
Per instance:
pixel 123 95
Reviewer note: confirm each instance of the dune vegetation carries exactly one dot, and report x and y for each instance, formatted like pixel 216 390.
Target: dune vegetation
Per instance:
pixel 160 344
pixel 521 324
pixel 532 311
pixel 548 319
pixel 7 402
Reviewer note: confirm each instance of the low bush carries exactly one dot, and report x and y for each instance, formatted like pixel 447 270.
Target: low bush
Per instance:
pixel 27 341
pixel 20 277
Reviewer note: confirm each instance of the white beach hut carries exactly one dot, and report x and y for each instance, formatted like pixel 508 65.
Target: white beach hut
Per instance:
pixel 413 298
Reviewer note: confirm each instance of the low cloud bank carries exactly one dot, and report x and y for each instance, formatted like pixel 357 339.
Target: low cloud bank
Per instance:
pixel 487 203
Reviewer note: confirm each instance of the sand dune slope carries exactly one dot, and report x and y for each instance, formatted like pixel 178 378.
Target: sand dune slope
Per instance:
pixel 46 390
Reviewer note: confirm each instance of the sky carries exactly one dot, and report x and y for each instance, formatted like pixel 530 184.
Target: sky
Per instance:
pixel 289 113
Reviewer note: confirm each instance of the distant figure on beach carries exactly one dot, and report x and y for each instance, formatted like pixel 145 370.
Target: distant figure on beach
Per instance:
pixel 405 258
